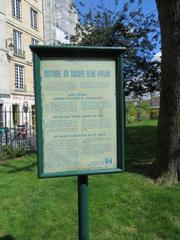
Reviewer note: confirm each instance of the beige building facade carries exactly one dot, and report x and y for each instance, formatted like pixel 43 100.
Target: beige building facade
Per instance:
pixel 4 84
pixel 23 25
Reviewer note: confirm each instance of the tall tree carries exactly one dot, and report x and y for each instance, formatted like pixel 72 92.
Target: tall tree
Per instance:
pixel 167 164
pixel 126 26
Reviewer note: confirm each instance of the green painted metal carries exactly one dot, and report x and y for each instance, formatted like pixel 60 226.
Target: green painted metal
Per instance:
pixel 120 112
pixel 79 173
pixel 55 52
pixel 79 52
pixel 83 216
pixel 38 100
pixel 79 48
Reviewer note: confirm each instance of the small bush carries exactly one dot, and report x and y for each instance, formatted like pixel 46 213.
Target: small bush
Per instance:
pixel 131 112
pixel 8 152
pixel 154 114
pixel 19 152
pixel 137 113
pixel 144 110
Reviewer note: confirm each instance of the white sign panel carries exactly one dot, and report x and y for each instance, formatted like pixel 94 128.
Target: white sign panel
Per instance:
pixel 79 114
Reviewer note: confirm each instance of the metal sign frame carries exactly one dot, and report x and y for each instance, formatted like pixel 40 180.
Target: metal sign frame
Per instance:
pixel 79 53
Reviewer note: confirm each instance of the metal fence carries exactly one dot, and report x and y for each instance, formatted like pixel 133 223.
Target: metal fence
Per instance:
pixel 17 129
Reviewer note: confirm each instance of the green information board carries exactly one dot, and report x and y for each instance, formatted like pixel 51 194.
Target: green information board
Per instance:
pixel 79 110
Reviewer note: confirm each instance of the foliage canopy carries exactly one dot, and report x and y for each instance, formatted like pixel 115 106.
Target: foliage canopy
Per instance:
pixel 122 25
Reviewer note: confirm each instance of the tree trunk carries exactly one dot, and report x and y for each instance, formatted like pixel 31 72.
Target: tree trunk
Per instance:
pixel 167 164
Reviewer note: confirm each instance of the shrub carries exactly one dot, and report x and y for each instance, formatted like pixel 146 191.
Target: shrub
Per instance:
pixel 8 152
pixel 131 112
pixel 141 112
pixel 144 110
pixel 154 113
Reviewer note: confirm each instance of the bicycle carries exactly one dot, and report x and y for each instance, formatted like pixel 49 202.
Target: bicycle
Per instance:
pixel 20 135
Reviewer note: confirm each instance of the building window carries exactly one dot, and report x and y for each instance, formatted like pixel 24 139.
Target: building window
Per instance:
pixel 34 41
pixel 17 42
pixel 19 76
pixel 16 8
pixel 33 18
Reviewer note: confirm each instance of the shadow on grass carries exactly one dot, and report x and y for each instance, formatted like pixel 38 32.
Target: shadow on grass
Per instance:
pixel 7 237
pixel 140 150
pixel 15 169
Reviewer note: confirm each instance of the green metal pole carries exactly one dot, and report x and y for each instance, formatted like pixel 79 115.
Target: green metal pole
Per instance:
pixel 83 207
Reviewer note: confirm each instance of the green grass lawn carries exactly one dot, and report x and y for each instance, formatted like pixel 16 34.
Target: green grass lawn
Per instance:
pixel 126 206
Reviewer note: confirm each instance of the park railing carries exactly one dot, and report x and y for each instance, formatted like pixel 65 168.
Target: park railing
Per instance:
pixel 17 129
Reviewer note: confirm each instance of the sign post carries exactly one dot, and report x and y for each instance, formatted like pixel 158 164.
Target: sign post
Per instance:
pixel 83 218
pixel 79 97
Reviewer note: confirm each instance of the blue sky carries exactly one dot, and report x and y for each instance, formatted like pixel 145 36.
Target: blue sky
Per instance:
pixel 148 5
